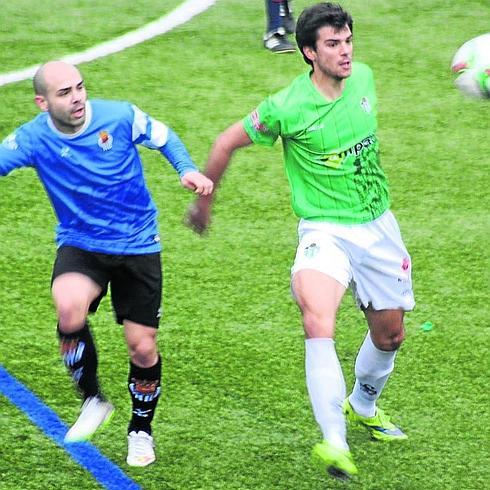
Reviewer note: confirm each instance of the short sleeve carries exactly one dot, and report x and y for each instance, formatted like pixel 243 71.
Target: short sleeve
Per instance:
pixel 263 125
pixel 15 151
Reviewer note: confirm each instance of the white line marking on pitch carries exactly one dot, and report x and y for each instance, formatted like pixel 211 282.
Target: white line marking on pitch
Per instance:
pixel 176 17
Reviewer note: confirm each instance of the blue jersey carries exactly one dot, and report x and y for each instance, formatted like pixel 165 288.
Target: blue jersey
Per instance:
pixel 94 178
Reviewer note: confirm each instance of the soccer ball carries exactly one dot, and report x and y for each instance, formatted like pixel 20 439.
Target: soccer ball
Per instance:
pixel 471 63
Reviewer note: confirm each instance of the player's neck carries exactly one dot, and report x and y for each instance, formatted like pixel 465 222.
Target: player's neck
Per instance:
pixel 331 88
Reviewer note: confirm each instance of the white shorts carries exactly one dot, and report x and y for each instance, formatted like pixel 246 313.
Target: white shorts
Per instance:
pixel 370 258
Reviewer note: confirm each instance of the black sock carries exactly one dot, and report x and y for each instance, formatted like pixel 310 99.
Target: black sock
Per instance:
pixel 80 357
pixel 144 388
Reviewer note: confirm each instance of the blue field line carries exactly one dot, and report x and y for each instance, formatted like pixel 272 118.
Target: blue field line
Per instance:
pixel 85 454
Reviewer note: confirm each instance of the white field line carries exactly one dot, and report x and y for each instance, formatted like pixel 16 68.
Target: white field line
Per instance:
pixel 176 17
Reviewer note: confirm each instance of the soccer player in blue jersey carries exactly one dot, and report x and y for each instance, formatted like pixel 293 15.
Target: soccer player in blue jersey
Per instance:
pixel 85 154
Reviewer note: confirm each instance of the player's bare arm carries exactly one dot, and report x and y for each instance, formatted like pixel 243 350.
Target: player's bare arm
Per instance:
pixel 230 140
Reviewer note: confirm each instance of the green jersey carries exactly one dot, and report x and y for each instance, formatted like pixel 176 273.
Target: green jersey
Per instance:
pixel 330 148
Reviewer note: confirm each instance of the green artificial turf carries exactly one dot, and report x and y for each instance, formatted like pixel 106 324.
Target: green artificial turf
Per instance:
pixel 234 413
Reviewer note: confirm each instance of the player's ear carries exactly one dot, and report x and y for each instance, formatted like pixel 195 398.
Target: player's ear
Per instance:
pixel 41 102
pixel 309 52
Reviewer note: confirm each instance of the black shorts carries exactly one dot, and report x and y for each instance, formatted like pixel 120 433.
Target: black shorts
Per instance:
pixel 136 281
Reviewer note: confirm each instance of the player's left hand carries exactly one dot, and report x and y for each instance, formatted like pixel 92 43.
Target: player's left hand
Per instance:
pixel 198 216
pixel 197 182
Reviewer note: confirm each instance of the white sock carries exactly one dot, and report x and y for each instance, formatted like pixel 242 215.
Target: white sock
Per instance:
pixel 373 368
pixel 326 387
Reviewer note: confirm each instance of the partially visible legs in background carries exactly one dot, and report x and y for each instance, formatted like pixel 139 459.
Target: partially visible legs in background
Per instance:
pixel 279 24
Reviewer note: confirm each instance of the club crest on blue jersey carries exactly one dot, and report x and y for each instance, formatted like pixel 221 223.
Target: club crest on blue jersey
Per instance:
pixel 105 140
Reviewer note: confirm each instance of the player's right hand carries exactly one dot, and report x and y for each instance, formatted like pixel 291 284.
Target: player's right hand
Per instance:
pixel 198 216
pixel 197 182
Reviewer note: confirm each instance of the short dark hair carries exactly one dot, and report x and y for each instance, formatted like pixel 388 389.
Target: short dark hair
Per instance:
pixel 314 18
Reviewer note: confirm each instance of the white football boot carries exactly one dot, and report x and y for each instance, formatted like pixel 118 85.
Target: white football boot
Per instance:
pixel 94 413
pixel 140 449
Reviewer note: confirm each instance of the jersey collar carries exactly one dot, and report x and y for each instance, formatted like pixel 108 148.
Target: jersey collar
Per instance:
pixel 88 119
pixel 320 97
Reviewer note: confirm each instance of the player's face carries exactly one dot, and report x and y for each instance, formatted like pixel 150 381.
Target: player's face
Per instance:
pixel 65 98
pixel 333 53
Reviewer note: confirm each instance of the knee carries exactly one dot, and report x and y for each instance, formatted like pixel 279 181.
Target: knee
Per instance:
pixel 390 340
pixel 71 315
pixel 316 325
pixel 143 351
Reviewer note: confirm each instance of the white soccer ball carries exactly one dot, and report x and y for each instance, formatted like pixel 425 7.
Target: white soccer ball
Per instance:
pixel 471 63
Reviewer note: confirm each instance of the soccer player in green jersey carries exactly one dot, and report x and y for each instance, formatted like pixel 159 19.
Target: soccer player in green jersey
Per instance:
pixel 326 120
